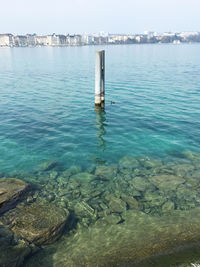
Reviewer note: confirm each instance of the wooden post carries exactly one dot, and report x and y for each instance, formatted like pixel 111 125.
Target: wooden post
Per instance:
pixel 100 78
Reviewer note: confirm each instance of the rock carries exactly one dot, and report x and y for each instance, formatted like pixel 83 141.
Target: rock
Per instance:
pixel 47 165
pixel 53 175
pixel 154 198
pixel 112 219
pixel 186 193
pixel 183 169
pixel 72 170
pixel 82 177
pixel 128 163
pixel 140 183
pixel 38 223
pixel 82 209
pixel 13 251
pixel 191 155
pixel 168 206
pixel 11 191
pixel 117 205
pixel 152 163
pixel 106 172
pixel 131 202
pixel 167 182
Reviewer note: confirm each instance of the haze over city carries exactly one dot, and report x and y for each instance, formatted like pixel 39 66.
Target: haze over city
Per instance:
pixel 115 16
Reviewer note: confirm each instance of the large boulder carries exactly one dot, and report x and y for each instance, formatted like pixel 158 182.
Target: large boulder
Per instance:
pixel 11 191
pixel 38 223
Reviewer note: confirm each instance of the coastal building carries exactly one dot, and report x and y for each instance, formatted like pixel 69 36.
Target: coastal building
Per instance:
pixel 62 40
pixel 74 40
pixel 52 40
pixel 41 40
pixel 21 40
pixel 31 39
pixel 6 39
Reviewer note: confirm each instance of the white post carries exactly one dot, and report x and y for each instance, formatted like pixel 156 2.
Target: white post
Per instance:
pixel 102 77
pixel 99 77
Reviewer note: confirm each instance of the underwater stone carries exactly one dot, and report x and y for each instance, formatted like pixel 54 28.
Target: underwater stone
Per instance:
pixel 185 193
pixel 82 177
pixel 183 169
pixel 112 219
pixel 154 198
pixel 83 209
pixel 152 163
pixel 72 170
pixel 191 155
pixel 47 165
pixel 140 183
pixel 117 205
pixel 168 206
pixel 128 163
pixel 106 172
pixel 11 191
pixel 12 250
pixel 38 223
pixel 53 175
pixel 166 182
pixel 132 202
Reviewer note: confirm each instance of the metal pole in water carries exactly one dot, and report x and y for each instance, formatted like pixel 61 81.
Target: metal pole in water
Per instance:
pixel 100 78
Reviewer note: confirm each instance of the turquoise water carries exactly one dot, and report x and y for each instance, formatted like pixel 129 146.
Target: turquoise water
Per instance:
pixel 47 104
pixel 129 175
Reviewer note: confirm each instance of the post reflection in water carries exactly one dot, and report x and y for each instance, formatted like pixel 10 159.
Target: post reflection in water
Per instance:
pixel 101 131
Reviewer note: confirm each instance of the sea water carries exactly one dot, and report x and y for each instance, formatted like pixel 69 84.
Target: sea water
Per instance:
pixel 151 116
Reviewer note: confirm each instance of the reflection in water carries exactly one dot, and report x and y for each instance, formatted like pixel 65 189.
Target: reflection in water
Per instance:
pixel 101 131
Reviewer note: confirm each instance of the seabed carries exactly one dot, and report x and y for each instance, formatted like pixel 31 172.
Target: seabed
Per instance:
pixel 140 212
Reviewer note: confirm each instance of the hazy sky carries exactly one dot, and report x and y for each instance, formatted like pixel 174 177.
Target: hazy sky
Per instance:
pixel 114 16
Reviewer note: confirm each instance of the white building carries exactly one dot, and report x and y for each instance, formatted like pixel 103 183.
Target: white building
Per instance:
pixel 6 39
pixel 52 40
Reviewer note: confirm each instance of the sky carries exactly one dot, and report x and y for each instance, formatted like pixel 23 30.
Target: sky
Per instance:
pixel 92 16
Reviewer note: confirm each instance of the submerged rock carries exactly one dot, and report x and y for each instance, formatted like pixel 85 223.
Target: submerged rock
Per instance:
pixel 82 177
pixel 72 170
pixel 38 223
pixel 13 251
pixel 47 165
pixel 131 202
pixel 128 163
pixel 117 205
pixel 167 182
pixel 83 209
pixel 106 172
pixel 140 183
pixel 11 190
pixel 168 206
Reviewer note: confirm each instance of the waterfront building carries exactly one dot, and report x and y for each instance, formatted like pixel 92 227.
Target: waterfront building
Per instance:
pixel 62 40
pixel 41 40
pixel 52 40
pixel 31 39
pixel 21 40
pixel 6 39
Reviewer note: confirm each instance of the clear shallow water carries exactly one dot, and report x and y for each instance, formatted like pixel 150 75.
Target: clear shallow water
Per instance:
pixel 47 104
pixel 47 113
